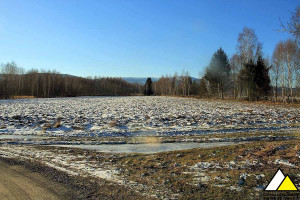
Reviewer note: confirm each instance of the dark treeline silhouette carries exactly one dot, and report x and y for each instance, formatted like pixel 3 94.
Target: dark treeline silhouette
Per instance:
pixel 148 87
pixel 14 81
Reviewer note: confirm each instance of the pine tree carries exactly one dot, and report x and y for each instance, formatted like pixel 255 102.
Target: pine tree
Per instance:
pixel 262 79
pixel 246 78
pixel 255 78
pixel 218 72
pixel 194 88
pixel 148 87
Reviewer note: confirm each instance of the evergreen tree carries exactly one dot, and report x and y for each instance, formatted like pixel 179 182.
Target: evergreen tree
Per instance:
pixel 255 78
pixel 262 79
pixel 194 88
pixel 218 72
pixel 148 87
pixel 246 78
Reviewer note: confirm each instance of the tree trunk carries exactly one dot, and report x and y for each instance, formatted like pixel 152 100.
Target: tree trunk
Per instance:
pixel 276 92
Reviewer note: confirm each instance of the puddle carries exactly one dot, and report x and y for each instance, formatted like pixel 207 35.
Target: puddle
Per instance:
pixel 20 137
pixel 148 148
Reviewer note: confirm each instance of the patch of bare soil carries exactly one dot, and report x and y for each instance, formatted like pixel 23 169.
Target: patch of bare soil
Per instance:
pixel 25 180
pixel 17 182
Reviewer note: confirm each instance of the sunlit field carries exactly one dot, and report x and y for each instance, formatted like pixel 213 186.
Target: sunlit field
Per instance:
pixel 155 147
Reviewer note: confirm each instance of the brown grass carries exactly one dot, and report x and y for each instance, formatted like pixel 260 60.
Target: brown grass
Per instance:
pixel 47 126
pixel 295 104
pixel 58 122
pixel 23 97
pixel 78 128
pixel 165 171
pixel 113 123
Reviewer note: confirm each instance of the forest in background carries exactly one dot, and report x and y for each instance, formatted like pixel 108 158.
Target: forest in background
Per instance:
pixel 15 82
pixel 246 75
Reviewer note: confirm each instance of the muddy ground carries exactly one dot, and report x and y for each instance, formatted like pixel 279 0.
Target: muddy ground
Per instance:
pixel 25 180
pixel 17 182
pixel 239 171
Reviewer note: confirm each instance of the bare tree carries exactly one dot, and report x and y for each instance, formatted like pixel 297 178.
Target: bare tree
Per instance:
pixel 248 49
pixel 293 26
pixel 286 67
pixel 185 83
pixel 235 68
pixel 13 82
pixel 188 82
pixel 276 69
pixel 10 75
pixel 291 61
pixel 174 84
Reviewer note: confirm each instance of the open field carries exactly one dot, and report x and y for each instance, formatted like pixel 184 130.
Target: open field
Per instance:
pixel 206 149
pixel 118 116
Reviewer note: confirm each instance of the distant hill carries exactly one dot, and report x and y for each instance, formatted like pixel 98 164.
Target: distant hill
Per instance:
pixel 142 80
pixel 139 80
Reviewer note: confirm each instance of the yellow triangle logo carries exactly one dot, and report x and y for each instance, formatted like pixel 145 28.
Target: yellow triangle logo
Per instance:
pixel 287 184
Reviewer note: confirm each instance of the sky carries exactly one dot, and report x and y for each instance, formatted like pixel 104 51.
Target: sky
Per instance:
pixel 133 38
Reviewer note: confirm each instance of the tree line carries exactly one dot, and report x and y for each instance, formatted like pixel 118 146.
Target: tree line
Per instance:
pixel 175 85
pixel 14 81
pixel 247 74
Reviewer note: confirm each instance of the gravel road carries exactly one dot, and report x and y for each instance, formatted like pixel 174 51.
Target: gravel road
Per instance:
pixel 17 182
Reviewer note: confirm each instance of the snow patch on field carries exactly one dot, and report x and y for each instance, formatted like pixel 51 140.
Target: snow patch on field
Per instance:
pixel 131 116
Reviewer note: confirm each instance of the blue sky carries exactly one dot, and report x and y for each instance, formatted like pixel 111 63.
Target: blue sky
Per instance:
pixel 136 38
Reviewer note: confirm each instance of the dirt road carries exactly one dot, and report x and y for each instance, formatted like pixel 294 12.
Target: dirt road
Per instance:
pixel 17 182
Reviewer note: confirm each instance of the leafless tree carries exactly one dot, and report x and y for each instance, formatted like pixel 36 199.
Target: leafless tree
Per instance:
pixel 14 82
pixel 293 26
pixel 248 49
pixel 10 75
pixel 286 67
pixel 291 61
pixel 235 68
pixel 185 83
pixel 175 85
pixel 277 68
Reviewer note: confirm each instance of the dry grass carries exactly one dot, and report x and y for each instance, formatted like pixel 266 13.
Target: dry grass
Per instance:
pixel 57 123
pixel 78 127
pixel 113 123
pixel 23 97
pixel 2 126
pixel 47 126
pixel 295 104
pixel 167 171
